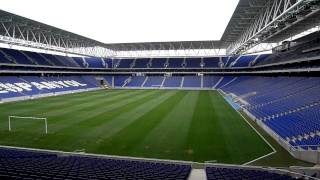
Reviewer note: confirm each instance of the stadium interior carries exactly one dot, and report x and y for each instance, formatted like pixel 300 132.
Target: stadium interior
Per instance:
pixel 268 101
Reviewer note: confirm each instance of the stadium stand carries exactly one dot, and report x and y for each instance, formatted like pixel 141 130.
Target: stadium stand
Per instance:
pixel 243 61
pixel 192 81
pixel 154 81
pixel 34 59
pixel 12 87
pixel 173 81
pixel 193 62
pixel 279 92
pixel 304 48
pixel 287 105
pixel 211 81
pixel 125 63
pixel 214 173
pixel 22 164
pixel 119 81
pixel 142 63
pixel 158 62
pixel 136 81
pixel 19 57
pixel 175 62
pixel 212 62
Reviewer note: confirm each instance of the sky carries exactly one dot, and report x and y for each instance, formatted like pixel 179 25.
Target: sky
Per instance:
pixel 124 21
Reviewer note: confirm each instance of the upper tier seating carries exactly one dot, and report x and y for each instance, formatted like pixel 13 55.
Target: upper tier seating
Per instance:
pixel 211 62
pixel 96 63
pixel 125 63
pixel 19 57
pixel 18 164
pixel 301 50
pixel 158 62
pixel 37 58
pixel 193 62
pixel 175 62
pixel 142 63
pixel 243 61
pixel 11 56
pixel 230 60
pixel 259 59
pixel 5 59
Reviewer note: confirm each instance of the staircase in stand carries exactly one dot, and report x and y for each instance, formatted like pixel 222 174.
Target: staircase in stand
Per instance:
pixel 216 85
pixel 144 82
pixel 182 81
pixel 162 83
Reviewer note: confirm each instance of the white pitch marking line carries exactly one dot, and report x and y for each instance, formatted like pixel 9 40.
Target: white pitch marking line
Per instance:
pixel 273 149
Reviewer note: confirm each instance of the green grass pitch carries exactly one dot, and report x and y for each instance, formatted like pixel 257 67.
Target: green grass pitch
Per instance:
pixel 166 124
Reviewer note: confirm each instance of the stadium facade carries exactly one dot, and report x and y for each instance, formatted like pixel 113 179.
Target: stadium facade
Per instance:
pixel 278 91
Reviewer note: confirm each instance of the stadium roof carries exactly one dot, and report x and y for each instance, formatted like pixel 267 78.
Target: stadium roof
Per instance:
pixel 22 28
pixel 247 27
pixel 268 21
pixel 165 45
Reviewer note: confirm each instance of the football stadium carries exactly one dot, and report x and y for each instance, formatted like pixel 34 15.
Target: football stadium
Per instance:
pixel 246 106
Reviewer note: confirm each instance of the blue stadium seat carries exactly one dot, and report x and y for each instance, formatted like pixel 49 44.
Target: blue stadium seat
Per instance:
pixel 173 81
pixel 192 81
pixel 214 173
pixel 22 164
pixel 158 62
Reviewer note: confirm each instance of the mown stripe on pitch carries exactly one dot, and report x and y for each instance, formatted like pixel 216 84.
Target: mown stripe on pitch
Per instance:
pixel 117 108
pixel 56 140
pixel 60 112
pixel 84 137
pixel 98 112
pixel 27 108
pixel 32 107
pixel 89 104
pixel 45 106
pixel 203 131
pixel 97 122
pixel 87 110
pixel 168 138
pixel 126 139
pixel 124 119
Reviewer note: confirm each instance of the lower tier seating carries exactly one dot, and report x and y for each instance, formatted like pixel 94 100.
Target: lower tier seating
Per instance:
pixel 18 164
pixel 215 173
pixel 287 105
pixel 14 86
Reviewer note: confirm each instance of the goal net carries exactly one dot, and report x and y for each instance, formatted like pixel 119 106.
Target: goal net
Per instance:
pixel 12 118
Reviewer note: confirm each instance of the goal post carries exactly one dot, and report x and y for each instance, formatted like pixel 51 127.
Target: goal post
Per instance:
pixel 10 118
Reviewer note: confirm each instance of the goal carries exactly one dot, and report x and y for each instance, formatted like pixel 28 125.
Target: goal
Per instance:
pixel 11 118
